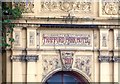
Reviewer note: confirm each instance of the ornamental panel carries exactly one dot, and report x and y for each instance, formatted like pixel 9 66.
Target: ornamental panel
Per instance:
pixel 61 8
pixel 66 6
pixel 104 38
pixel 26 7
pixel 116 39
pixel 84 63
pixel 50 63
pixel 17 35
pixel 109 8
pixel 31 38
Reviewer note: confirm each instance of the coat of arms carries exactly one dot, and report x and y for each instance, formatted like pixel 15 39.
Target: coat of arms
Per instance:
pixel 67 59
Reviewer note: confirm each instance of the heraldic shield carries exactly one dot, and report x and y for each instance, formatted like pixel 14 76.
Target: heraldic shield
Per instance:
pixel 67 60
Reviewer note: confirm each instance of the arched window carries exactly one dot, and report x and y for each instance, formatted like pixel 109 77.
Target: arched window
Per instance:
pixel 66 77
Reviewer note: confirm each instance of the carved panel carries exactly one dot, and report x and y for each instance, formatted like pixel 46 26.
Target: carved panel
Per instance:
pixel 109 8
pixel 84 63
pixel 17 39
pixel 31 38
pixel 67 60
pixel 50 63
pixel 67 6
pixel 117 40
pixel 104 40
pixel 26 7
pixel 17 35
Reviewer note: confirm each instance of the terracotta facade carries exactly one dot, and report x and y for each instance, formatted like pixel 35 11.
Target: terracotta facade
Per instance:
pixel 55 36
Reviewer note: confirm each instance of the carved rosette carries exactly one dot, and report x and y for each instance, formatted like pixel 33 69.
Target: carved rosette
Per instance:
pixel 84 64
pixel 67 6
pixel 26 7
pixel 110 8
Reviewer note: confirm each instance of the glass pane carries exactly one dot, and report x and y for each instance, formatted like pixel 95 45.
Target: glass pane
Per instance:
pixel 55 79
pixel 69 79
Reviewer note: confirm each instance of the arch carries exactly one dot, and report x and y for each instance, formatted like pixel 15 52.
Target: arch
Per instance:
pixel 82 77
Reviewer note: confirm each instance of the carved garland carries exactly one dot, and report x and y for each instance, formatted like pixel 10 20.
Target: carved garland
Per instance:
pixel 67 6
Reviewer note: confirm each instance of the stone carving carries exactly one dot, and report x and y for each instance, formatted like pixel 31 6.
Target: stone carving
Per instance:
pixel 17 39
pixel 31 38
pixel 117 40
pixel 50 63
pixel 67 60
pixel 26 7
pixel 83 63
pixel 66 6
pixel 104 40
pixel 67 39
pixel 110 8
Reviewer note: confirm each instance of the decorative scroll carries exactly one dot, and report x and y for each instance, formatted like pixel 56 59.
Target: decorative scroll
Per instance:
pixel 109 58
pixel 26 7
pixel 24 58
pixel 110 7
pixel 31 38
pixel 17 39
pixel 67 39
pixel 67 59
pixel 83 63
pixel 66 6
pixel 50 63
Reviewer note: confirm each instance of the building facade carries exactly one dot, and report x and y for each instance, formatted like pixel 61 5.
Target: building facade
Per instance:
pixel 66 40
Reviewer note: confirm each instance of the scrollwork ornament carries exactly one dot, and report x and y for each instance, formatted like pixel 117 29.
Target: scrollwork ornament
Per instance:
pixel 111 8
pixel 50 5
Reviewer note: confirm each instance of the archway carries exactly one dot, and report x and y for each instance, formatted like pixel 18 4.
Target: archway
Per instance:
pixel 66 77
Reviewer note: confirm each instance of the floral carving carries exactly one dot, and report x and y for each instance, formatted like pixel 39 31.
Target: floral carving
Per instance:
pixel 66 6
pixel 26 7
pixel 50 63
pixel 83 63
pixel 110 8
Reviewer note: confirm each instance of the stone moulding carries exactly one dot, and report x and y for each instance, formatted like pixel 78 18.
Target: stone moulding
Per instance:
pixel 24 58
pixel 109 59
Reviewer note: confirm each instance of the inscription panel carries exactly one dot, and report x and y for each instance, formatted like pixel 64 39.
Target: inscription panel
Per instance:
pixel 84 40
